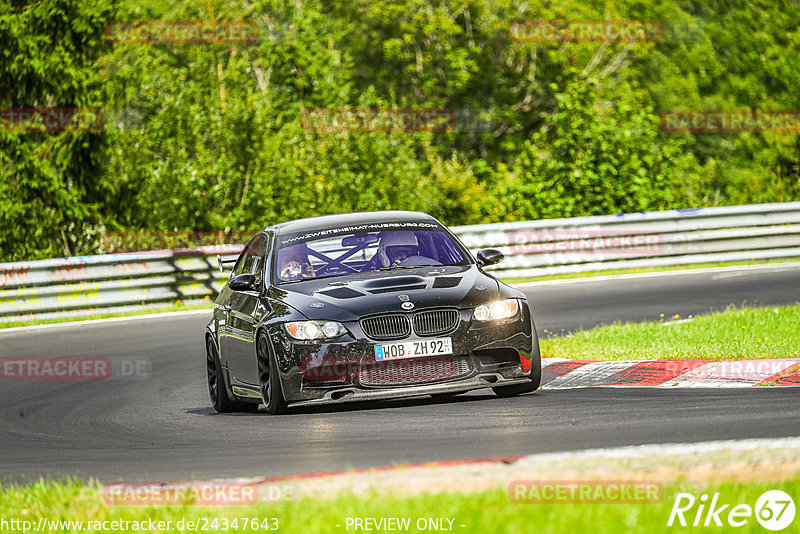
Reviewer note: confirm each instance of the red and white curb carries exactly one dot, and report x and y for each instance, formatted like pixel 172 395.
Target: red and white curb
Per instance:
pixel 659 461
pixel 560 373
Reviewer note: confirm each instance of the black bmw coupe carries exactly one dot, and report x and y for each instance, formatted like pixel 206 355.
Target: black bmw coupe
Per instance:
pixel 365 306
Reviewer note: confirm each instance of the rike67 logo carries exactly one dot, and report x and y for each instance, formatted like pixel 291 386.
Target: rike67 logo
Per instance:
pixel 774 510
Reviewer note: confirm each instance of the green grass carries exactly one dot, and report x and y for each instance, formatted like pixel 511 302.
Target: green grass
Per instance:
pixel 484 512
pixel 735 334
pixel 638 270
pixel 165 309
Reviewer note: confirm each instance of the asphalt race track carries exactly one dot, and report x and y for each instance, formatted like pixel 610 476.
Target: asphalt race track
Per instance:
pixel 161 427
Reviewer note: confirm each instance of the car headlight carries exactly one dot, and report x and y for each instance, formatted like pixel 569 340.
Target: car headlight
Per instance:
pixel 499 309
pixel 310 330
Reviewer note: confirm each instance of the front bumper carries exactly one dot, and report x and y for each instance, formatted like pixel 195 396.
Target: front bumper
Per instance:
pixel 484 355
pixel 483 380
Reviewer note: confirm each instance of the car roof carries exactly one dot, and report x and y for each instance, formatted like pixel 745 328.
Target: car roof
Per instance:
pixel 323 222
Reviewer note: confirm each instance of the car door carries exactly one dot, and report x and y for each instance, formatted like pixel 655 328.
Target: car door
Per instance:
pixel 247 308
pixel 229 334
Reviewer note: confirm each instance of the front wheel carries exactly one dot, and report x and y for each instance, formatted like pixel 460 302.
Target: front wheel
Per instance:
pixel 216 384
pixel 535 375
pixel 271 392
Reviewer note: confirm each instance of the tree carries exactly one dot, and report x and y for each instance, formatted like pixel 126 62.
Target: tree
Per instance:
pixel 51 188
pixel 593 157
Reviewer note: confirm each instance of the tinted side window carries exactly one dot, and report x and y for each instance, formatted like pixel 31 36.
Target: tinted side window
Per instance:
pixel 245 262
pixel 259 259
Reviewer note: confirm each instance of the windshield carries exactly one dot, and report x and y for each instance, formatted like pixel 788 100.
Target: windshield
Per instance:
pixel 348 252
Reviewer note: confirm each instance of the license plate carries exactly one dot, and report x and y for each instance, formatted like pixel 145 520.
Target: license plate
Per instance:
pixel 413 349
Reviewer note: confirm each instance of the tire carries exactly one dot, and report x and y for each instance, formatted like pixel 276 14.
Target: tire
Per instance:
pixel 535 375
pixel 271 392
pixel 217 388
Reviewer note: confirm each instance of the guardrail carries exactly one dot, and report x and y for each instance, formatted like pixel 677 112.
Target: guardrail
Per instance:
pixel 91 285
pixel 634 240
pixel 110 283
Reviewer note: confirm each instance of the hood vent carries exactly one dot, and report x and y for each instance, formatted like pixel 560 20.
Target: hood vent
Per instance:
pixel 398 288
pixel 446 281
pixel 341 293
pixel 393 281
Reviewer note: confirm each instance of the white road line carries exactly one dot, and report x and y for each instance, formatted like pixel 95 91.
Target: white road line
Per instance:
pixel 680 272
pixel 659 450
pixel 91 322
pixel 666 449
pixel 681 321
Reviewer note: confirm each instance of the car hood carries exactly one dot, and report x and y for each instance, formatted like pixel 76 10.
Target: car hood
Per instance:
pixel 348 298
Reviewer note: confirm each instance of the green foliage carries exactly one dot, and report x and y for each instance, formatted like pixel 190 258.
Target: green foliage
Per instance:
pixel 592 157
pixel 215 137
pixel 51 183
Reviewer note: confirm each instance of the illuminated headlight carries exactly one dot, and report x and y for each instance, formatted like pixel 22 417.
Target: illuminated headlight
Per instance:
pixel 499 309
pixel 310 330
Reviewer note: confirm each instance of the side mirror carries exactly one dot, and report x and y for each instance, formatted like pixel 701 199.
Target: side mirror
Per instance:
pixel 243 282
pixel 489 256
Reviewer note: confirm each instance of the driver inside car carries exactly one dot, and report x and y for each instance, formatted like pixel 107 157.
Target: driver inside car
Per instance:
pixel 294 263
pixel 396 247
